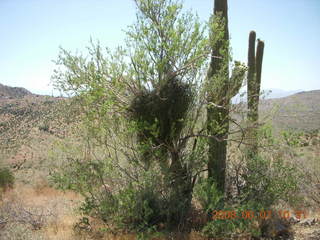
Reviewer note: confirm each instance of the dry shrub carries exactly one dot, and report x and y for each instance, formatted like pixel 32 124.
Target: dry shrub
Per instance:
pixel 34 217
pixel 21 222
pixel 29 213
pixel 18 231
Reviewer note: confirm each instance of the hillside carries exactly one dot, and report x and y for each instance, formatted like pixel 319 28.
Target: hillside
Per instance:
pixel 13 92
pixel 21 116
pixel 21 113
pixel 300 111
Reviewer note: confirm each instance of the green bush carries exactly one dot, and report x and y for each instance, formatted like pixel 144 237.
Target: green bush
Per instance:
pixel 267 182
pixel 6 178
pixel 137 206
pixel 260 181
pixel 293 139
pixel 208 195
pixel 212 202
pixel 230 227
pixel 140 209
pixel 44 127
pixel 264 187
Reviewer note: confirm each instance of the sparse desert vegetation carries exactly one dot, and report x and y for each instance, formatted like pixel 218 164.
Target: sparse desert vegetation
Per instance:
pixel 32 208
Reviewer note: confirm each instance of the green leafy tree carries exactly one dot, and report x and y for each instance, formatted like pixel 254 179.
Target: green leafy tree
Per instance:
pixel 141 106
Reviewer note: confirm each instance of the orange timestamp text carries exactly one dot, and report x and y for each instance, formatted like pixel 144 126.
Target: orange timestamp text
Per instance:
pixel 252 215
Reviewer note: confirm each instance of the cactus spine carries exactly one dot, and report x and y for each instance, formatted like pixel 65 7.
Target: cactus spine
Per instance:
pixel 254 83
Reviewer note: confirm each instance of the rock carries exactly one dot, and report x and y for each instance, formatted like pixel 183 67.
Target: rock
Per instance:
pixel 308 222
pixel 293 220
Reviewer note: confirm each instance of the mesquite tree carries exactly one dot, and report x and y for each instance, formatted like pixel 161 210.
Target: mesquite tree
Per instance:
pixel 221 88
pixel 143 103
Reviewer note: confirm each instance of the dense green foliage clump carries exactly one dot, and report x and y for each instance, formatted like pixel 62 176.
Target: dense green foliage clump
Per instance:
pixel 6 178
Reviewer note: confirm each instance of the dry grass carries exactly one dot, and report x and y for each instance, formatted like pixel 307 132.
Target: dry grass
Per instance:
pixel 45 211
pixel 54 210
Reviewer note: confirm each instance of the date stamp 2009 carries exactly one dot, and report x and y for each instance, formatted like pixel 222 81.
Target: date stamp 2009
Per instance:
pixel 251 215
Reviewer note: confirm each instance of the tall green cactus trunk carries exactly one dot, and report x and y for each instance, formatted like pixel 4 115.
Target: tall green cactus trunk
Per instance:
pixel 221 88
pixel 254 83
pixel 251 77
pixel 218 116
pixel 221 6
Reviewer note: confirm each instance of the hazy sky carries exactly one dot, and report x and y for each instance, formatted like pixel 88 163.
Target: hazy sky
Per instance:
pixel 33 30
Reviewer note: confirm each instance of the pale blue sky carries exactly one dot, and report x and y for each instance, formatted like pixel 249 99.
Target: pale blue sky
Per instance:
pixel 33 30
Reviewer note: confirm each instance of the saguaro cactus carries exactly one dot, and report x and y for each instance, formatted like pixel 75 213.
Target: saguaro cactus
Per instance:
pixel 221 88
pixel 254 83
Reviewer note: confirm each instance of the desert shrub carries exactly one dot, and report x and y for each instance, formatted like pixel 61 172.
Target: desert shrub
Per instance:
pixel 6 178
pixel 260 182
pixel 264 187
pixel 213 202
pixel 231 227
pixel 309 184
pixel 18 231
pixel 208 196
pixel 268 176
pixel 142 208
pixel 18 221
pixel 44 127
pixel 139 204
pixel 267 182
pixel 293 138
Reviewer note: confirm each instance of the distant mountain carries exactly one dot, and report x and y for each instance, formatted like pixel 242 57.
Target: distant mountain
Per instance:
pixel 278 93
pixel 13 92
pixel 265 94
pixel 300 111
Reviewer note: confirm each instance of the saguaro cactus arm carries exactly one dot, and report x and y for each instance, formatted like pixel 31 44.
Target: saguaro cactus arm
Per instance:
pixel 253 84
pixel 259 58
pixel 251 73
